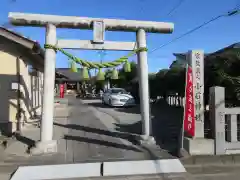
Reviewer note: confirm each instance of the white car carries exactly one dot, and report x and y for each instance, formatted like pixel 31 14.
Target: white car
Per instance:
pixel 117 97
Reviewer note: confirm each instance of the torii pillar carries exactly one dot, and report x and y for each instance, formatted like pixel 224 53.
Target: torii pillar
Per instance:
pixel 51 22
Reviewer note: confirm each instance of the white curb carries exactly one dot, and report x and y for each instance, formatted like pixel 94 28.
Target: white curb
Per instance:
pixel 143 167
pixel 120 168
pixel 57 171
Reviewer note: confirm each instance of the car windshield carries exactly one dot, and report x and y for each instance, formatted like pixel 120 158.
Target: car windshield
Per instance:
pixel 119 91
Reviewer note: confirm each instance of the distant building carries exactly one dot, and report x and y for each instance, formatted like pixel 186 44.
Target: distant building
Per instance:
pixel 72 80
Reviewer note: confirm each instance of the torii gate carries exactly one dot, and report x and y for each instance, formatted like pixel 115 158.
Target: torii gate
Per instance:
pixel 51 22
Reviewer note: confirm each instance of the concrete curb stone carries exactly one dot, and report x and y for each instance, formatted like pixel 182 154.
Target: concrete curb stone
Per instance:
pixel 213 169
pixel 209 160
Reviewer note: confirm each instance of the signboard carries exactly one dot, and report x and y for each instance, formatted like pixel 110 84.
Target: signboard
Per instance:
pixel 196 61
pixel 189 119
pixel 98 31
pixel 198 58
pixel 15 86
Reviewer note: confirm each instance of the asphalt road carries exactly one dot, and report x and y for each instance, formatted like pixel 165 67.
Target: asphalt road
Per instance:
pixel 93 135
pixel 166 122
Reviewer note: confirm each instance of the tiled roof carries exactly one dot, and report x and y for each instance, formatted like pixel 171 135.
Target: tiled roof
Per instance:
pixel 73 76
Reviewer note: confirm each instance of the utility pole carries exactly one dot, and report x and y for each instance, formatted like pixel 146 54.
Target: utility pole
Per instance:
pixel 102 54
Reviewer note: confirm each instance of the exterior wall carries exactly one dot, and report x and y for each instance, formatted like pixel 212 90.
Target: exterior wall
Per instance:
pixel 225 122
pixel 20 92
pixel 36 85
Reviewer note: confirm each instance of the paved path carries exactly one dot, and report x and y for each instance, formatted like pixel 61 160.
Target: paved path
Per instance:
pixel 166 122
pixel 88 131
pixel 91 136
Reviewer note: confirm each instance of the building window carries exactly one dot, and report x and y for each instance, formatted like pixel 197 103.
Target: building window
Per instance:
pixel 30 69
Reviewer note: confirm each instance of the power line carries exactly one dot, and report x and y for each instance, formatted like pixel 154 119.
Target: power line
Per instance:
pixel 229 13
pixel 183 35
pixel 141 7
pixel 140 11
pixel 175 7
pixel 238 6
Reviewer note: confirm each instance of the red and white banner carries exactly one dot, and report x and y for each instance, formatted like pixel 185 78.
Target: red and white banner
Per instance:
pixel 61 90
pixel 189 114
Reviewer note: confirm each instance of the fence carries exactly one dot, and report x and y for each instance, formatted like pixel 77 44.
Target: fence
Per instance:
pixel 175 100
pixel 225 122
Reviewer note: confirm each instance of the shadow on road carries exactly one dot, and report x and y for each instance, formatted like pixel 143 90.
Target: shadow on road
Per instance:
pixel 128 109
pixel 25 140
pixel 87 98
pixel 166 125
pixel 97 104
pixel 123 135
pixel 101 142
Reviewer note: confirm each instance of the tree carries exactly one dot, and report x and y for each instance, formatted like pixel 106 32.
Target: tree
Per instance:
pixel 224 71
pixel 170 81
pixel 125 78
pixel 128 76
pixel 153 86
pixel 108 74
pixel 161 83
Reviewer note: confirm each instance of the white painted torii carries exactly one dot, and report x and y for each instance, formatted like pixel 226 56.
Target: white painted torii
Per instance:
pixel 51 22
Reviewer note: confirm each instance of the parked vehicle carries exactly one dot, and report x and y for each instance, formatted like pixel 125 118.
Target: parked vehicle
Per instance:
pixel 118 97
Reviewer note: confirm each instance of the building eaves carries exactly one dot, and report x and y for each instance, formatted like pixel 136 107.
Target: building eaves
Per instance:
pixel 32 45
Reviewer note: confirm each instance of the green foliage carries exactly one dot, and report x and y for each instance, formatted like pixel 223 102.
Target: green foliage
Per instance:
pixel 224 71
pixel 108 74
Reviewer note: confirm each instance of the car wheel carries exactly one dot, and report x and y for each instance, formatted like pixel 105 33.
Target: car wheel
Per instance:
pixel 110 102
pixel 103 102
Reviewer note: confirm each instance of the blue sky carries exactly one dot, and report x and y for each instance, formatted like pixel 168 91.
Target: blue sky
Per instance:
pixel 190 14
